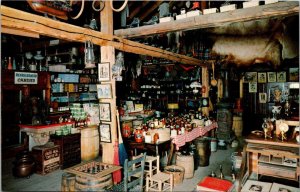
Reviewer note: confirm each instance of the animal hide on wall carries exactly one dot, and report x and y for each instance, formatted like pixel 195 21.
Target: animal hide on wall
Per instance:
pixel 270 40
pixel 244 50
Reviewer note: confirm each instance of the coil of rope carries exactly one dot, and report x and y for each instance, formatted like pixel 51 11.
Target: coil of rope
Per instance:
pixel 102 4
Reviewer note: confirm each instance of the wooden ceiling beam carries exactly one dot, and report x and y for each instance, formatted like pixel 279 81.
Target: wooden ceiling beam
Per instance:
pixel 280 9
pixel 137 10
pixel 150 10
pixel 23 33
pixel 45 26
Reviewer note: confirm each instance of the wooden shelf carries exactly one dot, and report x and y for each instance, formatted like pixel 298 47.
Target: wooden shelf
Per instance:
pixel 269 157
pixel 280 9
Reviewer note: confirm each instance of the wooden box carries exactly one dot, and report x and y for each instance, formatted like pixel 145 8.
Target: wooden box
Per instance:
pixel 47 158
pixel 70 149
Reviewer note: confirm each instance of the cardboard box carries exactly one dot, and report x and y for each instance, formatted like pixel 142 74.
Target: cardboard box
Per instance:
pixel 270 1
pixel 209 11
pixel 181 16
pixel 165 19
pixel 47 158
pixel 250 4
pixel 228 8
pixel 193 13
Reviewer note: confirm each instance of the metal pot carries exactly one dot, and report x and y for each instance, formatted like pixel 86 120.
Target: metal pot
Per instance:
pixel 24 169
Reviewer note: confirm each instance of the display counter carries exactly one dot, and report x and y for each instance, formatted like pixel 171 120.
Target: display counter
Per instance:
pixel 40 134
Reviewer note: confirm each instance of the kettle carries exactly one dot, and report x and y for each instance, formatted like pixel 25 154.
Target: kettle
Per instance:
pixel 276 109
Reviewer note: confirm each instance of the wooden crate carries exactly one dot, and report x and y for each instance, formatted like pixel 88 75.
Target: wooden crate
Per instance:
pixel 47 158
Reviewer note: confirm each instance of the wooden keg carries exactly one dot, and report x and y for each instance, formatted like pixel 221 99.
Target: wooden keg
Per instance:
pixel 67 182
pixel 89 143
pixel 187 162
pixel 237 126
pixel 93 184
pixel 177 171
pixel 203 150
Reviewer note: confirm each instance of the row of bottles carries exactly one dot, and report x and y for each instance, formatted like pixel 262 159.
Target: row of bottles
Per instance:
pixel 10 63
pixel 177 125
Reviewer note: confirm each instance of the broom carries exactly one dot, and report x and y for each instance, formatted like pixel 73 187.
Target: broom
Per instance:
pixel 122 151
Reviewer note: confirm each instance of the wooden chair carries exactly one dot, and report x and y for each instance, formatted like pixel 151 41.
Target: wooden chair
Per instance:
pixel 133 175
pixel 159 181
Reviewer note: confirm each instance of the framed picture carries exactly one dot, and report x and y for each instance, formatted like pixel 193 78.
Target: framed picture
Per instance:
pixel 294 74
pixel 252 87
pixel 271 77
pixel 252 185
pixel 261 77
pixel 103 72
pixel 104 91
pixel 262 97
pixel 281 76
pixel 105 133
pixel 250 77
pixel 104 111
pixel 276 187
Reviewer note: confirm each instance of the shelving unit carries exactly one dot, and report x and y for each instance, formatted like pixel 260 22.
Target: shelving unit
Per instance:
pixel 67 88
pixel 273 158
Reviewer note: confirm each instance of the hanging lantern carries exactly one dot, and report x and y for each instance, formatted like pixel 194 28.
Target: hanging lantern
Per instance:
pixel 89 57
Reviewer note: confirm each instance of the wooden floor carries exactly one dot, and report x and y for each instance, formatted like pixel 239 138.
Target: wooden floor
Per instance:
pixel 52 181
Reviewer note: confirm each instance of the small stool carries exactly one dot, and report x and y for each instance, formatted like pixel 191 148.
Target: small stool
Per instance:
pixel 150 165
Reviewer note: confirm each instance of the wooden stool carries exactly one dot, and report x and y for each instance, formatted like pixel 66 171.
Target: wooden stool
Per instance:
pixel 150 165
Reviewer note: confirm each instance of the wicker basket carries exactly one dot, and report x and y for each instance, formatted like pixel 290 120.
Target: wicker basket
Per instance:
pixel 177 171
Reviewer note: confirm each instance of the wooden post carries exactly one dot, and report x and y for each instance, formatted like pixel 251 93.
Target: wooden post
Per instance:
pixel 108 55
pixel 205 82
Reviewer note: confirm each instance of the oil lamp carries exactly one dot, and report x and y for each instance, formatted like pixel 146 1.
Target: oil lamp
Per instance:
pixel 89 57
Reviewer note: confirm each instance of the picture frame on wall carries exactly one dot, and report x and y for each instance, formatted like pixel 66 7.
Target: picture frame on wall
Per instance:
pixel 271 77
pixel 105 133
pixel 261 77
pixel 281 76
pixel 252 87
pixel 105 112
pixel 103 71
pixel 263 98
pixel 294 74
pixel 104 91
pixel 250 77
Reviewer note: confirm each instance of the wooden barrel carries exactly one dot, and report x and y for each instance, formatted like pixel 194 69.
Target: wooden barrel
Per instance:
pixel 93 184
pixel 237 126
pixel 177 172
pixel 187 162
pixel 89 143
pixel 67 182
pixel 202 146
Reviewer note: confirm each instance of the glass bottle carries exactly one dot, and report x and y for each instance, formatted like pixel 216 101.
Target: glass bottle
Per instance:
pixel 9 65
pixel 14 66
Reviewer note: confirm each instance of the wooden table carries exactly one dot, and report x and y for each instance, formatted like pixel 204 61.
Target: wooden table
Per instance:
pixel 273 157
pixel 150 148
